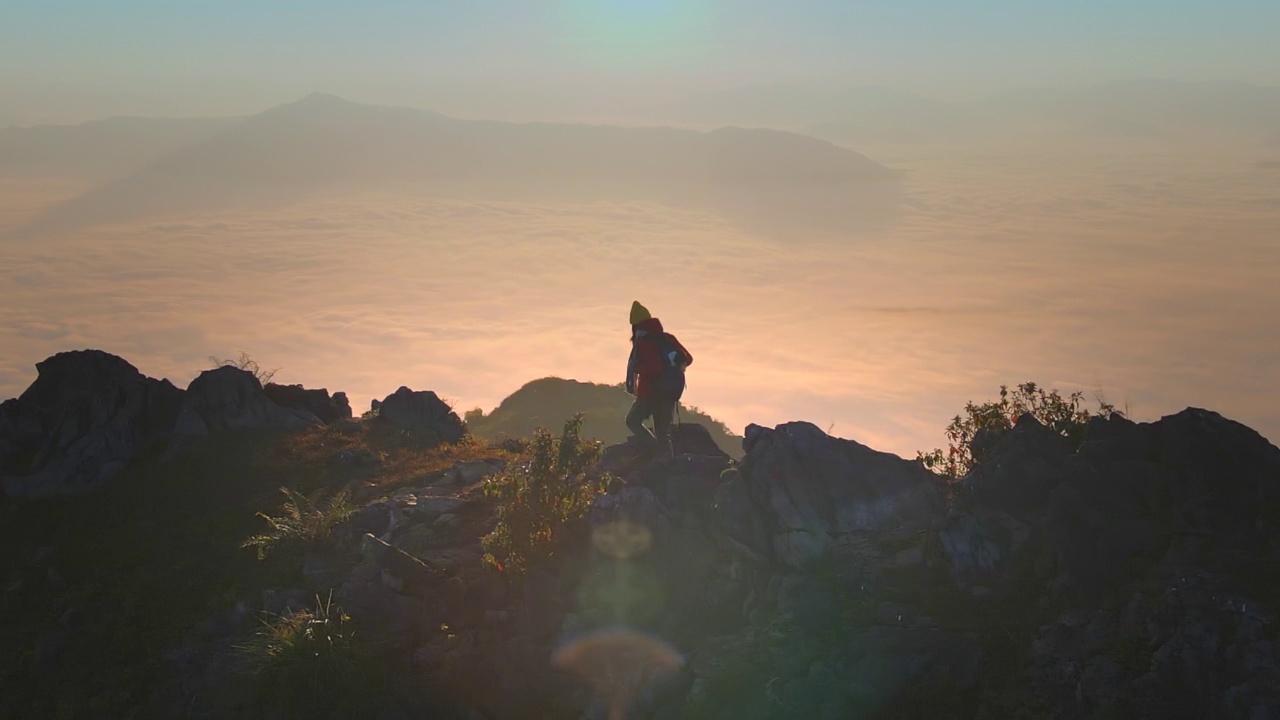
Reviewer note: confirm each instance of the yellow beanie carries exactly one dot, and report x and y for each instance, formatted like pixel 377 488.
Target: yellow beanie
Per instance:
pixel 638 312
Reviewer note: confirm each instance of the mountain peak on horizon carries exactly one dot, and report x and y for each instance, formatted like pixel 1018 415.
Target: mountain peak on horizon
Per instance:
pixel 323 99
pixel 317 102
pixel 322 103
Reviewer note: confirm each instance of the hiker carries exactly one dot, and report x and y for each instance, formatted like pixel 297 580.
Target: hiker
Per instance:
pixel 655 376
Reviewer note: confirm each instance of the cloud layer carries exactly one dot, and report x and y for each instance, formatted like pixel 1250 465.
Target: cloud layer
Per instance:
pixel 1149 275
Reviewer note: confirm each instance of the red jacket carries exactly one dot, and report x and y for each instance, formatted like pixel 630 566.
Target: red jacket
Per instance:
pixel 646 360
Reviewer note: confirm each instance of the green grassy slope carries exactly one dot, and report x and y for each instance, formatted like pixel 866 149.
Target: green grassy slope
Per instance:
pixel 548 401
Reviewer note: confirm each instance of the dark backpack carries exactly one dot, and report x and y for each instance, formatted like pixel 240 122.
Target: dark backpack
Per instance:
pixel 670 382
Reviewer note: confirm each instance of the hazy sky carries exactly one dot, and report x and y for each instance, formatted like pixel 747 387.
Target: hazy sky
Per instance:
pixel 176 56
pixel 1134 252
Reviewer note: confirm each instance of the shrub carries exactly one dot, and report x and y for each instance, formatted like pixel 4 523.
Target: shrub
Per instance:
pixel 244 362
pixel 1064 415
pixel 306 522
pixel 538 497
pixel 307 664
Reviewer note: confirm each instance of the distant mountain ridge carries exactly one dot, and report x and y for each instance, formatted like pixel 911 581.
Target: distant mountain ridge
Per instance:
pixel 324 143
pixel 403 142
pixel 861 115
pixel 102 148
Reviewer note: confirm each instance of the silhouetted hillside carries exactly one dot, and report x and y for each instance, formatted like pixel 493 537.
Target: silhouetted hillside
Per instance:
pixel 547 402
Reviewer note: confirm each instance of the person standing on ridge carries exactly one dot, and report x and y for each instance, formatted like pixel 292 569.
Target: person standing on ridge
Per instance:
pixel 655 376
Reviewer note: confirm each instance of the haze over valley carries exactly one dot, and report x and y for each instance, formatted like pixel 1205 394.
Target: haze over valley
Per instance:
pixel 867 261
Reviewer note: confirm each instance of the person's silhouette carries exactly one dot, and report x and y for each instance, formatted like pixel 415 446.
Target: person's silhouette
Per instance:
pixel 655 376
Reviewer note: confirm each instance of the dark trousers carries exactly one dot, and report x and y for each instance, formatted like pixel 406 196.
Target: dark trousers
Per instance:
pixel 661 411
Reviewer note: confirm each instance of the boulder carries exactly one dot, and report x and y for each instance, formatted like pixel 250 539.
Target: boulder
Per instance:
pixel 695 453
pixel 402 572
pixel 635 505
pixel 623 459
pixel 472 471
pixel 543 605
pixel 685 484
pixel 228 398
pixel 695 439
pixel 1193 490
pixel 741 519
pixel 330 409
pixel 896 670
pixel 421 410
pixel 1115 438
pixel 21 434
pixel 360 457
pixel 808 603
pixel 817 488
pixel 390 621
pixel 1021 467
pixel 1192 650
pixel 1221 480
pixel 86 416
pixel 980 545
pixel 427 508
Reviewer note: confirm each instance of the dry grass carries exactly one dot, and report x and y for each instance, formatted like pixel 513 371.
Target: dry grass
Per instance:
pixel 312 458
pixel 157 551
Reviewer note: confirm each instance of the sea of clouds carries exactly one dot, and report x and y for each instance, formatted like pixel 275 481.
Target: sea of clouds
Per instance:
pixel 1149 275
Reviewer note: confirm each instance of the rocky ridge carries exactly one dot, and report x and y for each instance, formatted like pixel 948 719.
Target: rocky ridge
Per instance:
pixel 90 413
pixel 1136 576
pixel 819 578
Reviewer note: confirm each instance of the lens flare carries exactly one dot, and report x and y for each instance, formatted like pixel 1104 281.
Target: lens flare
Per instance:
pixel 621 592
pixel 617 663
pixel 622 539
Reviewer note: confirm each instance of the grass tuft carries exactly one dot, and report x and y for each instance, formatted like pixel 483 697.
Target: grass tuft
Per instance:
pixel 308 664
pixel 303 521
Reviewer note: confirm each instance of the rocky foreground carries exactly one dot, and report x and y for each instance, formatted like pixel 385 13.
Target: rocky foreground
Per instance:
pixel 1135 577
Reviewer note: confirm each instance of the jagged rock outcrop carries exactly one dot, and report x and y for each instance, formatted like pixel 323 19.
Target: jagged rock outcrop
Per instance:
pixel 1156 550
pixel 690 441
pixel 695 439
pixel 741 521
pixel 86 416
pixel 1134 576
pixel 21 434
pixel 422 410
pixel 227 398
pixel 1188 650
pixel 1192 490
pixel 823 494
pixel 971 606
pixel 329 408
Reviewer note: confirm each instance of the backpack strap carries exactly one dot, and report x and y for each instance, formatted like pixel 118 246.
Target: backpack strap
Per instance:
pixel 668 345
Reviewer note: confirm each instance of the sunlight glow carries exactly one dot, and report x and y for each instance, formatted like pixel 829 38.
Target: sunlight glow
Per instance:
pixel 630 34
